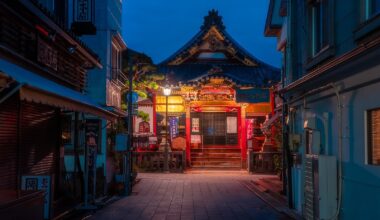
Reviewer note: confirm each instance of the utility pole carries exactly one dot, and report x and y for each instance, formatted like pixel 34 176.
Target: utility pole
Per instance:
pixel 128 155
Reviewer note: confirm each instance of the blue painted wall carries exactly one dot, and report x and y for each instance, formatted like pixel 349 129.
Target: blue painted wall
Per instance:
pixel 108 23
pixel 358 92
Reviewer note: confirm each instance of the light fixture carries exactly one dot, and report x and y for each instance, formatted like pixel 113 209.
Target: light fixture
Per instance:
pixel 167 91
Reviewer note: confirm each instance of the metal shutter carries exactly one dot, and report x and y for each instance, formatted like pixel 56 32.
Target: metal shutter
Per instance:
pixel 8 143
pixel 39 144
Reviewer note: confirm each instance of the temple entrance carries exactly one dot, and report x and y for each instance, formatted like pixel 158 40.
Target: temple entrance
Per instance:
pixel 214 129
pixel 218 146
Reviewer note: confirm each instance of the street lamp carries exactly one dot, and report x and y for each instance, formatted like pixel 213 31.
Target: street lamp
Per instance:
pixel 167 92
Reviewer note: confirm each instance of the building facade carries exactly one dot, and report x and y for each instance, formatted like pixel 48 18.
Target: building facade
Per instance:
pixel 219 93
pixel 43 76
pixel 98 22
pixel 330 78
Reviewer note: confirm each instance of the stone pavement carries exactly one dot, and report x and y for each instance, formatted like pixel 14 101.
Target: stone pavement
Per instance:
pixel 190 196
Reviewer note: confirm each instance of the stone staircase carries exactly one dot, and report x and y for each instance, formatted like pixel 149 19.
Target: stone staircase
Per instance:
pixel 216 158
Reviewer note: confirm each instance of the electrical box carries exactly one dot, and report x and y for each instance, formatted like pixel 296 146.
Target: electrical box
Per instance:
pixel 294 141
pixel 320 187
pixel 327 168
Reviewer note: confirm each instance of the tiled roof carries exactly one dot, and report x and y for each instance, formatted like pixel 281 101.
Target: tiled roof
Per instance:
pixel 191 71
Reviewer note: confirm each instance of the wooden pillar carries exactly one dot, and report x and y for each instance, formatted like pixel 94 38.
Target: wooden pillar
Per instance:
pixel 188 135
pixel 272 105
pixel 243 137
pixel 154 114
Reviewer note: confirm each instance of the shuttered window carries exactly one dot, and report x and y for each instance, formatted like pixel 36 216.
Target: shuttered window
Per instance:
pixel 373 136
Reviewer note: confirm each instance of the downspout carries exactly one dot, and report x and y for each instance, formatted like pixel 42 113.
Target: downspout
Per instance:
pixel 340 137
pixel 340 150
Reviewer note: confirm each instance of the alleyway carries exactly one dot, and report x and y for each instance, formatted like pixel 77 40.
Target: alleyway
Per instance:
pixel 190 196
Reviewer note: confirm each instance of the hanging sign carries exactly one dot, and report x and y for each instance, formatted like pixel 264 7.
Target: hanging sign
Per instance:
pixel 173 123
pixel 84 17
pixel 252 95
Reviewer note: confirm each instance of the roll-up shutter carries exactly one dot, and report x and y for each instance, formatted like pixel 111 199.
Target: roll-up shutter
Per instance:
pixel 39 132
pixel 8 143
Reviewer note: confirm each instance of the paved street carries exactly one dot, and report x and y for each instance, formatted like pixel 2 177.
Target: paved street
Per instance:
pixel 190 196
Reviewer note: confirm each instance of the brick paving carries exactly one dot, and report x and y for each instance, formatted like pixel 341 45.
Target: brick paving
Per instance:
pixel 190 196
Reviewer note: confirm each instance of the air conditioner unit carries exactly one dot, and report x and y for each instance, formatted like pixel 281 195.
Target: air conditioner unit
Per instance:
pixel 320 187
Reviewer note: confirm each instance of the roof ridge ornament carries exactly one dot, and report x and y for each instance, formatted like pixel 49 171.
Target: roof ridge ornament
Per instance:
pixel 213 19
pixel 215 70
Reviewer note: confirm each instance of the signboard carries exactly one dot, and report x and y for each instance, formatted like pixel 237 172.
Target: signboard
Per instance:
pixel 144 127
pixel 195 125
pixel 92 131
pixel 249 124
pixel 173 123
pixel 231 125
pixel 84 17
pixel 47 55
pixel 34 183
pixel 83 11
pixel 196 139
pixel 252 95
pixel 135 97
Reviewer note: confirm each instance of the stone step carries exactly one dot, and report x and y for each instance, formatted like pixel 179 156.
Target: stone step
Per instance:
pixel 216 163
pixel 220 155
pixel 215 158
pixel 216 150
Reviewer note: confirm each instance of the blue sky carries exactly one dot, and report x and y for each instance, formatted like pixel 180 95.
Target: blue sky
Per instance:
pixel 160 27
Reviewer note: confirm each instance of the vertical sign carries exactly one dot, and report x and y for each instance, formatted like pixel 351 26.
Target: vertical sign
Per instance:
pixel 34 183
pixel 92 130
pixel 231 125
pixel 84 17
pixel 173 123
pixel 249 123
pixel 83 12
pixel 195 125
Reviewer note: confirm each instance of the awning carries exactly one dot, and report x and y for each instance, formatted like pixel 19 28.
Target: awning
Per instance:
pixel 269 122
pixel 40 90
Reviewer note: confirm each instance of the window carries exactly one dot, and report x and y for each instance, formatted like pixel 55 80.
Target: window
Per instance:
pixel 373 137
pixel 319 24
pixel 372 8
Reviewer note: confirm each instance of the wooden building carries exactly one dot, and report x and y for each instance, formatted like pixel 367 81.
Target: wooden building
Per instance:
pixel 220 92
pixel 43 71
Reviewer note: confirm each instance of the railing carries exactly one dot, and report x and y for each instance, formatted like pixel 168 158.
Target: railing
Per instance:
pixel 265 162
pixel 118 77
pixel 154 161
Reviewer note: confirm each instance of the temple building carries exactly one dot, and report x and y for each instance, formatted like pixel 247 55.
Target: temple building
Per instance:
pixel 220 96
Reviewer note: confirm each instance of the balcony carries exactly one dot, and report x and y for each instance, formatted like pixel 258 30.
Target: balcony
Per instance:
pixel 118 77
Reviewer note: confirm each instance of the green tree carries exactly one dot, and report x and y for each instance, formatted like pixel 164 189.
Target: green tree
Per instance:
pixel 145 77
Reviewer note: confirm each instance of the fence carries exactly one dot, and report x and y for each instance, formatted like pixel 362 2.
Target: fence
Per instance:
pixel 154 161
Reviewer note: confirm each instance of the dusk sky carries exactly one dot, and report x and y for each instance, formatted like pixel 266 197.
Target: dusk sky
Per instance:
pixel 160 27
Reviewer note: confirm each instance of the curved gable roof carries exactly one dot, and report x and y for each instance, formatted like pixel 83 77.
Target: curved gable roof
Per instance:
pixel 243 68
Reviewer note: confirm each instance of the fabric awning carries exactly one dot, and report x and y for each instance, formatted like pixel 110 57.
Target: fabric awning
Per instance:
pixel 40 90
pixel 268 123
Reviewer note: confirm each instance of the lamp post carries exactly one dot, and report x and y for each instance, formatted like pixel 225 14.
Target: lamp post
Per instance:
pixel 167 92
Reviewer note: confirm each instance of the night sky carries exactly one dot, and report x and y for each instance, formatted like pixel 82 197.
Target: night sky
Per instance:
pixel 160 27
